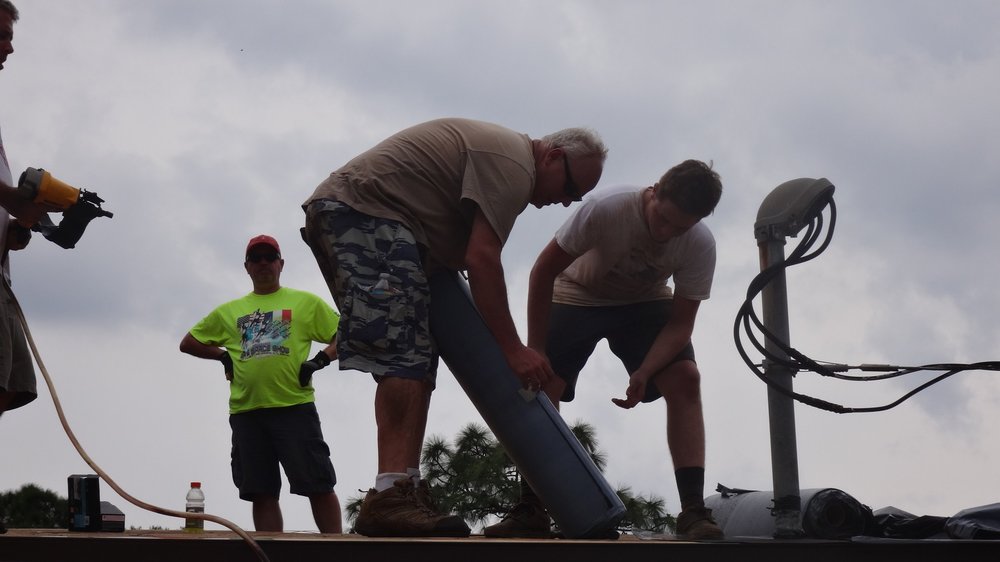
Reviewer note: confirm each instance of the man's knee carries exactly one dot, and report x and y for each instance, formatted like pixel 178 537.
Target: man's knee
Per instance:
pixel 401 399
pixel 680 381
pixel 404 386
pixel 264 500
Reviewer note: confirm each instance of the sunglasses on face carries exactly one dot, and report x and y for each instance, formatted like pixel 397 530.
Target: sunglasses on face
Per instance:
pixel 257 258
pixel 570 188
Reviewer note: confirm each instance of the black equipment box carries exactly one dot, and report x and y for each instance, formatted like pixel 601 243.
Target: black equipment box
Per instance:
pixel 86 510
pixel 84 503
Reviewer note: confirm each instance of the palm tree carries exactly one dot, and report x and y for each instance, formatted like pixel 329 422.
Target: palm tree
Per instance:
pixel 645 513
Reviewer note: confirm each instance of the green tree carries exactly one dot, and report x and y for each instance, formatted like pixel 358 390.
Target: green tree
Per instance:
pixel 645 513
pixel 474 477
pixel 31 507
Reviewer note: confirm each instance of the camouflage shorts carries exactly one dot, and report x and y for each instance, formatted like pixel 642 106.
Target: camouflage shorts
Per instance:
pixel 384 332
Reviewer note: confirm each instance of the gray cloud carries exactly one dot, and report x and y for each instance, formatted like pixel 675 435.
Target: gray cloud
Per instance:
pixel 203 124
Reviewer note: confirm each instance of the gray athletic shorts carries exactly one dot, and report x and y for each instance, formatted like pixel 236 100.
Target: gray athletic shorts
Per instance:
pixel 291 437
pixel 387 335
pixel 630 330
pixel 16 371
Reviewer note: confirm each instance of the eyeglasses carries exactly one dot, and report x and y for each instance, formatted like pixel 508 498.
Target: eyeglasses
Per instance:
pixel 257 258
pixel 570 188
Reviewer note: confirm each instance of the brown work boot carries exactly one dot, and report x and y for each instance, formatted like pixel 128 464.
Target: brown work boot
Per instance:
pixel 696 524
pixel 400 511
pixel 423 492
pixel 528 520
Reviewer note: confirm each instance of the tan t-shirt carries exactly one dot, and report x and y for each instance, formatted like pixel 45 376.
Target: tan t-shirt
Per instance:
pixel 431 177
pixel 619 262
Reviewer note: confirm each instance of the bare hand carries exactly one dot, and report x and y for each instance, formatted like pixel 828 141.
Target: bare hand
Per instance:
pixel 27 212
pixel 634 394
pixel 531 368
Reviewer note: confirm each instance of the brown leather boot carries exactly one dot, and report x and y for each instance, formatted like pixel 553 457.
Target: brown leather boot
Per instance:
pixel 528 520
pixel 696 524
pixel 400 511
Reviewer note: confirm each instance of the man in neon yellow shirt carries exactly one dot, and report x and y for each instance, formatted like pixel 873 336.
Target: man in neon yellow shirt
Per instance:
pixel 263 340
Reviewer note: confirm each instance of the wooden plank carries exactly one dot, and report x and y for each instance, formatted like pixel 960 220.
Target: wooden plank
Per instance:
pixel 213 546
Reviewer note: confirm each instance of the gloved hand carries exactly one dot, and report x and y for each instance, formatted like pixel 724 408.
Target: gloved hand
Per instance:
pixel 227 364
pixel 18 236
pixel 311 366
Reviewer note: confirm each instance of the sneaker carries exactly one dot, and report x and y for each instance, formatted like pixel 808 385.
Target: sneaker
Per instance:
pixel 400 511
pixel 528 520
pixel 696 524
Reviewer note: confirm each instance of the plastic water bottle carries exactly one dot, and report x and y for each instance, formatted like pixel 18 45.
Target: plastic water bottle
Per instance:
pixel 382 288
pixel 195 504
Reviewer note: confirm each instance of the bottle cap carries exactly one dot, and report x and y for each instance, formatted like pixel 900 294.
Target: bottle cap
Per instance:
pixel 196 484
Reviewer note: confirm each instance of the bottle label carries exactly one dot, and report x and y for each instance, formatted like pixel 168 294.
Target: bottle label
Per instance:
pixel 191 524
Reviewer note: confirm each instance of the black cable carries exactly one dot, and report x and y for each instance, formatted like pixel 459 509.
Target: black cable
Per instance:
pixel 796 361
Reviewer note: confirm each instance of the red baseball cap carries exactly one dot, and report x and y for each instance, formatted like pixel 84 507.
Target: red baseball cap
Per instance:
pixel 263 240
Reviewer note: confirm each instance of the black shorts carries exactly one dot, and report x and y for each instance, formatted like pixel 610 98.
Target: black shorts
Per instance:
pixel 290 436
pixel 630 330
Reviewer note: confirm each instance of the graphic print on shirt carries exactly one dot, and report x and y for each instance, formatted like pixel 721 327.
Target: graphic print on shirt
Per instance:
pixel 643 263
pixel 264 333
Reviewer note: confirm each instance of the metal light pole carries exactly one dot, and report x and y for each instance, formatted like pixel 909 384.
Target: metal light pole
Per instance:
pixel 784 212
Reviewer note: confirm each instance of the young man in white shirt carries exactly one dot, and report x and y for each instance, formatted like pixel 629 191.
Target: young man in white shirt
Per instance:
pixel 604 276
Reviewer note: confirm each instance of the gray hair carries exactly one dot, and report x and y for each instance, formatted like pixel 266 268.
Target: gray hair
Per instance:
pixel 10 8
pixel 577 142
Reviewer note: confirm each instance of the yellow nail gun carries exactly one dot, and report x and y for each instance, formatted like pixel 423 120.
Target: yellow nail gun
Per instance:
pixel 78 206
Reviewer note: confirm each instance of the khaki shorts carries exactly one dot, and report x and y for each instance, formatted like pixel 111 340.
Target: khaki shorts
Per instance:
pixel 17 374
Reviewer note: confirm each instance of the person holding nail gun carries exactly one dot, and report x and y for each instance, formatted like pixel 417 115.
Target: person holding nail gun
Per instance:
pixel 263 341
pixel 36 194
pixel 17 376
pixel 22 207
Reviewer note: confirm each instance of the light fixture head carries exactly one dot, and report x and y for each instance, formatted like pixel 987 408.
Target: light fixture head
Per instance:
pixel 791 206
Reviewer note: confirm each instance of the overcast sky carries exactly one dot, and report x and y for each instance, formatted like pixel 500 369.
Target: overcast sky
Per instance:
pixel 203 123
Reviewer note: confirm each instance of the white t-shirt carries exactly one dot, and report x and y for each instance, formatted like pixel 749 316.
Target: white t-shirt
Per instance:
pixel 4 216
pixel 619 262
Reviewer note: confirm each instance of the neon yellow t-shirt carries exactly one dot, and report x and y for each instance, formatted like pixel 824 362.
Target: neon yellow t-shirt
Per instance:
pixel 268 338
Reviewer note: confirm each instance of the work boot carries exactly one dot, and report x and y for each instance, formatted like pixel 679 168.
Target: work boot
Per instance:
pixel 400 511
pixel 696 524
pixel 528 520
pixel 424 495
